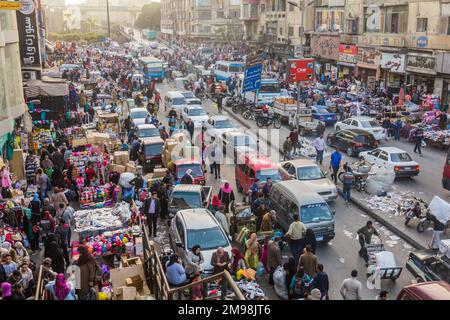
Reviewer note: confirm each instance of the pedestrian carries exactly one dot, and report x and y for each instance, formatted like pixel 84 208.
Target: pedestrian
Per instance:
pixel 237 264
pixel 274 258
pixel 287 149
pixel 219 103
pixel 63 233
pixel 438 229
pixel 215 158
pixel 6 291
pixel 88 268
pixel 365 237
pixel 260 212
pixel 58 197
pixel 222 219
pixel 254 191
pixel 320 146
pixel 351 287
pixel 267 187
pixel 220 260
pixel 308 261
pixel 252 252
pixel 347 182
pixel 152 209
pixel 190 128
pixel 267 221
pixel 335 163
pixel 398 126
pixel 295 235
pixel 418 141
pixel 60 289
pixel 321 282
pixel 310 239
pixel 320 129
pixel 187 178
pixel 43 183
pixel 226 195
pixel 299 285
pixel 54 252
pixel 294 139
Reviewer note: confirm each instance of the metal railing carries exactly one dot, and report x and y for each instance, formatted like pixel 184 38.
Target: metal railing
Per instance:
pixel 40 288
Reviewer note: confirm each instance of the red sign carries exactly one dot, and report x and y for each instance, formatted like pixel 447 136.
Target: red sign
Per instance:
pixel 301 70
pixel 348 53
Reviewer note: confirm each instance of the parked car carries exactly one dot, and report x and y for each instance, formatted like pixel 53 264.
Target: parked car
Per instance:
pixel 352 141
pixel 193 102
pixel 433 290
pixel 393 158
pixel 237 143
pixel 197 227
pixel 138 115
pixel 145 131
pixel 188 94
pixel 180 167
pixel 220 125
pixel 196 113
pixel 322 114
pixel 364 123
pixel 309 173
pixel 189 196
pixel 426 265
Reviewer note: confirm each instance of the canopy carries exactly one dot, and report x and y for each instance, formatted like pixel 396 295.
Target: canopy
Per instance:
pixel 37 88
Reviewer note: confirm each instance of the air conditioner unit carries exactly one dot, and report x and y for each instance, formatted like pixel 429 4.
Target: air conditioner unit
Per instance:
pixel 29 75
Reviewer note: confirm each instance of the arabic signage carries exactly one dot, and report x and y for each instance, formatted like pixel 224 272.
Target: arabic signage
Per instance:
pixel 394 62
pixel 252 73
pixel 348 53
pixel 10 5
pixel 301 70
pixel 325 47
pixel 422 42
pixel 28 35
pixel 368 57
pixel 421 63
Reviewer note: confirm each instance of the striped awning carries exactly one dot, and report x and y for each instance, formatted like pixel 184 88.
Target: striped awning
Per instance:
pixel 35 88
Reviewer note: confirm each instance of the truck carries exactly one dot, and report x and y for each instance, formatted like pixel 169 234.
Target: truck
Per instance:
pixel 284 107
pixel 306 124
pixel 189 196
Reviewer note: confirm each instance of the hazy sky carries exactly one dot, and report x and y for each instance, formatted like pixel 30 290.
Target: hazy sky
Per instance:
pixel 69 2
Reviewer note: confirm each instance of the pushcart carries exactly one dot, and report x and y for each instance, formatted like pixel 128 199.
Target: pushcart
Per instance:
pixel 384 260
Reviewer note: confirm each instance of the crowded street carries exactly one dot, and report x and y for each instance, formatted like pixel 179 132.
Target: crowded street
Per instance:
pixel 149 166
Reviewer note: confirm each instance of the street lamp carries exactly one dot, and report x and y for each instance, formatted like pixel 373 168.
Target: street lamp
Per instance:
pixel 107 16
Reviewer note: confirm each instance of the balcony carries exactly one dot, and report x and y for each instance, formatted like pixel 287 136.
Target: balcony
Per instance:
pixel 256 2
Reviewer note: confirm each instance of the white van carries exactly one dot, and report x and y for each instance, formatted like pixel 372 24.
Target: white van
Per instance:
pixel 174 99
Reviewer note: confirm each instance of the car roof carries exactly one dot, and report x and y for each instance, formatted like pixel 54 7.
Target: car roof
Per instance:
pixel 300 191
pixel 146 126
pixel 301 162
pixel 423 255
pixel 362 118
pixel 392 150
pixel 195 219
pixel 188 187
pixel 194 106
pixel 152 140
pixel 176 94
pixel 357 131
pixel 432 290
pixel 258 160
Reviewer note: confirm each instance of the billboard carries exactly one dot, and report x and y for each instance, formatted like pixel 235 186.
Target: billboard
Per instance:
pixel 301 70
pixel 28 35
pixel 348 53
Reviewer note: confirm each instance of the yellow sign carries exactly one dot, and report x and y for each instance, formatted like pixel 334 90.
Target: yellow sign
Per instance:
pixel 10 5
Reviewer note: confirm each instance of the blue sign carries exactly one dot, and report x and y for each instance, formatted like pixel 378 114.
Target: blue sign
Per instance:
pixel 252 78
pixel 422 41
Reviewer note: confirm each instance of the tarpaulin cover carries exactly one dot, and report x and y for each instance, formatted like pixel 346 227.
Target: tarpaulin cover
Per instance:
pixel 37 88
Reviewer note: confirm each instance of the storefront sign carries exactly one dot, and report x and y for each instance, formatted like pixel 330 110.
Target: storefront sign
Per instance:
pixel 28 35
pixel 325 47
pixel 421 63
pixel 394 62
pixel 368 57
pixel 443 63
pixel 301 69
pixel 10 5
pixel 422 42
pixel 348 53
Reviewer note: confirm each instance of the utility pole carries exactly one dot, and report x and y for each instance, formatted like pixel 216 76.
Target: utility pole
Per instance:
pixel 107 15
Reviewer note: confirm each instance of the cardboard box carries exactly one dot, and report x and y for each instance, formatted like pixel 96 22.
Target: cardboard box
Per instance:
pixel 17 164
pixel 171 145
pixel 191 152
pixel 159 172
pixel 125 293
pixel 130 168
pixel 100 138
pixel 119 168
pixel 135 281
pixel 79 142
pixel 121 157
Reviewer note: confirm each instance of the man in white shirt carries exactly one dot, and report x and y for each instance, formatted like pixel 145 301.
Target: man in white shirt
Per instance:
pixel 351 287
pixel 295 234
pixel 320 146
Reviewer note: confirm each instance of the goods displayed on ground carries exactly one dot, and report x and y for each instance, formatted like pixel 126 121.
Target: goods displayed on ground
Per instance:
pixel 395 202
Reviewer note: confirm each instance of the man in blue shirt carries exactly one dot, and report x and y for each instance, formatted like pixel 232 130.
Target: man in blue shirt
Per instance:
pixel 335 163
pixel 255 191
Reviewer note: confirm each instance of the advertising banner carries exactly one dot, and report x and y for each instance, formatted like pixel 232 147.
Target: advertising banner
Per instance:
pixel 301 70
pixel 348 53
pixel 28 35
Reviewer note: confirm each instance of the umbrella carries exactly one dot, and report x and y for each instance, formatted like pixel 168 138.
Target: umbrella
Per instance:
pixel 125 179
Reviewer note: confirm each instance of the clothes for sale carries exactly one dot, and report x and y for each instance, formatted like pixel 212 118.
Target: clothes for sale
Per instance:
pixel 40 138
pixel 251 290
pixel 96 196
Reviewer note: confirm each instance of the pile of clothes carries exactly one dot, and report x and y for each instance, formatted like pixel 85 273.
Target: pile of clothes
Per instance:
pixel 395 203
pixel 438 136
pixel 251 290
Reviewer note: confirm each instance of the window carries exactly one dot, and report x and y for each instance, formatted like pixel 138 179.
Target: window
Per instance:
pixel 396 19
pixel 281 31
pixel 291 32
pixel 422 24
pixel 383 156
pixel 291 7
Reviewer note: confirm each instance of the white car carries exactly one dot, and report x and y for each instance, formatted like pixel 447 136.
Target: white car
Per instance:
pixel 193 102
pixel 236 143
pixel 195 113
pixel 188 94
pixel 145 131
pixel 310 174
pixel 192 227
pixel 138 115
pixel 363 123
pixel 219 126
pixel 393 158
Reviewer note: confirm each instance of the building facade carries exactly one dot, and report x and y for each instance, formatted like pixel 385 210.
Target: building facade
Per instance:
pixel 12 102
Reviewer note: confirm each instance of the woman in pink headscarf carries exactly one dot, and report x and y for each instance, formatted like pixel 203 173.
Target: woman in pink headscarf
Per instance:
pixel 60 289
pixel 6 291
pixel 226 195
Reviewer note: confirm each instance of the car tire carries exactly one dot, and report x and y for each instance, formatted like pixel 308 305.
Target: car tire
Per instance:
pixel 350 152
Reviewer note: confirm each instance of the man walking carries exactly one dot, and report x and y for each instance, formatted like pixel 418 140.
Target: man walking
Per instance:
pixel 351 287
pixel 347 181
pixel 320 146
pixel 335 163
pixel 418 139
pixel 287 149
pixel 274 258
pixel 295 234
pixel 152 210
pixel 294 139
pixel 365 237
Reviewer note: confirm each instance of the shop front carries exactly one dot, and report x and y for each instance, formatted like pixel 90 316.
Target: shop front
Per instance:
pixel 443 78
pixel 348 54
pixel 368 63
pixel 325 49
pixel 421 71
pixel 392 66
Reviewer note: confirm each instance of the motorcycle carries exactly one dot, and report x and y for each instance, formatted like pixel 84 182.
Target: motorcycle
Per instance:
pixel 240 107
pixel 424 222
pixel 266 119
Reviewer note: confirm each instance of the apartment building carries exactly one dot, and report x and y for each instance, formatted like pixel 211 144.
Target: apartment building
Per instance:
pixel 12 102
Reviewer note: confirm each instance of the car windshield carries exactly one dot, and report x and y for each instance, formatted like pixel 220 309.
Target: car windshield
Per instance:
pixel 196 170
pixel 245 141
pixel 309 173
pixel 153 149
pixel 313 213
pixel 263 174
pixel 194 102
pixel 223 124
pixel 197 112
pixel 178 101
pixel 207 239
pixel 185 200
pixel 400 157
pixel 150 132
pixel 139 114
pixel 364 139
pixel 188 94
pixel 323 111
pixel 368 124
pixel 235 68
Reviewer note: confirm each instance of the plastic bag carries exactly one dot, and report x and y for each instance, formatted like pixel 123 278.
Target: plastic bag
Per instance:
pixel 279 279
pixel 440 209
pixel 381 182
pixel 260 270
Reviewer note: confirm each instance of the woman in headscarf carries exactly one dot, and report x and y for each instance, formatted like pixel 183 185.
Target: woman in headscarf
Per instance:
pixel 237 263
pixel 47 163
pixel 35 206
pixel 88 266
pixel 226 195
pixel 27 279
pixel 53 251
pixel 8 246
pixel 60 289
pixel 20 251
pixel 48 217
pixel 195 260
pixel 59 197
pixel 215 204
pixel 6 291
pixel 252 252
pixel 28 229
pixel 310 238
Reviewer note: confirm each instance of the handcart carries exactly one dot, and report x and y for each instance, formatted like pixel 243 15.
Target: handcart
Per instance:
pixel 384 260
